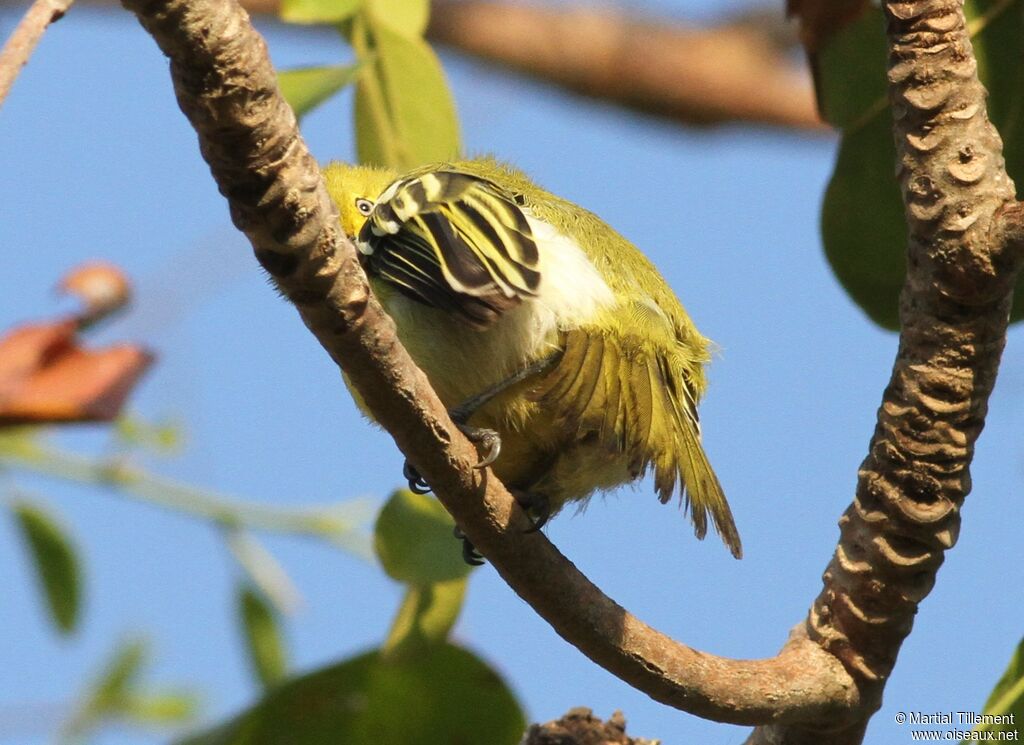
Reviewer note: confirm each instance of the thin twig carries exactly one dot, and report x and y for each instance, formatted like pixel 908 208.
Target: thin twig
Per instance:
pixel 26 36
pixel 327 522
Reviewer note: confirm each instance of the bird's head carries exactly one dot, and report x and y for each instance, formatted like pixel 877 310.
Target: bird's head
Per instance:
pixel 354 190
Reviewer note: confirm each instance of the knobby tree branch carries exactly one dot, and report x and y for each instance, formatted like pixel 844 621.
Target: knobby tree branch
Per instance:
pixel 963 256
pixel 26 35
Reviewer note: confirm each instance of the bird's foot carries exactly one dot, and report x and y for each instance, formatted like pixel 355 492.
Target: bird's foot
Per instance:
pixel 417 484
pixel 536 506
pixel 469 554
pixel 488 442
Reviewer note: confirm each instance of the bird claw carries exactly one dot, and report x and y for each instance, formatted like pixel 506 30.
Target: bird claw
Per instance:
pixel 417 484
pixel 486 439
pixel 469 554
pixel 537 508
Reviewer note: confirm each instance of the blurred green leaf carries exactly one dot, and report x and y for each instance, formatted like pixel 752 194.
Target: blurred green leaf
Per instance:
pixel 1007 698
pixel 444 695
pixel 414 541
pixel 850 93
pixel 161 708
pixel 404 113
pixel 406 17
pixel 863 227
pixel 159 437
pixel 266 650
pixel 426 616
pixel 318 11
pixel 862 223
pixel 119 676
pixel 55 561
pixel 113 695
pixel 307 87
pixel 106 695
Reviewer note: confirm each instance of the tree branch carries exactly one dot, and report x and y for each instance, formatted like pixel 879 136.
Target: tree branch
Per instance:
pixel 227 88
pixel 963 258
pixel 731 72
pixel 579 726
pixel 737 70
pixel 22 42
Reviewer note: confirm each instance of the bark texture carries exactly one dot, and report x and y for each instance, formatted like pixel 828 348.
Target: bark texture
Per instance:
pixel 579 726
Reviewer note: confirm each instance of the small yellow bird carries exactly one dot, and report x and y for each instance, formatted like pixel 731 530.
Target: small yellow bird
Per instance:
pixel 555 343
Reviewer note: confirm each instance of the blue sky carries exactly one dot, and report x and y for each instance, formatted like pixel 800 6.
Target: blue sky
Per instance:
pixel 98 162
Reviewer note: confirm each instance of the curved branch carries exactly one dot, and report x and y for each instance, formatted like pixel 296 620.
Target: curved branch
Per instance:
pixel 690 75
pixel 23 40
pixel 227 88
pixel 963 257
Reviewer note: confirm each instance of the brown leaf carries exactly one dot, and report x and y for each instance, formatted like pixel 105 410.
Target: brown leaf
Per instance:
pixel 102 288
pixel 822 19
pixel 46 377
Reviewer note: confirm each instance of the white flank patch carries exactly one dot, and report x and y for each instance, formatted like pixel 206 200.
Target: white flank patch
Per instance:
pixel 571 287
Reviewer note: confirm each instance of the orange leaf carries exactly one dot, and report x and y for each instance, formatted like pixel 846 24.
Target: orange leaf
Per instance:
pixel 46 377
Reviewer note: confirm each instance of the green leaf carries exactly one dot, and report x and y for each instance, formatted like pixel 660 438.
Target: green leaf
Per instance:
pixel 161 709
pixel 863 226
pixel 404 112
pixel 414 541
pixel 318 11
pixel 113 695
pixel 107 694
pixel 158 437
pixel 426 616
pixel 262 637
pixel 849 93
pixel 56 564
pixel 119 676
pixel 406 17
pixel 1007 698
pixel 444 695
pixel 306 88
pixel 862 223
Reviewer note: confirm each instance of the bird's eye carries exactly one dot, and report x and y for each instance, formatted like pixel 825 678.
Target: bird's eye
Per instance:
pixel 365 206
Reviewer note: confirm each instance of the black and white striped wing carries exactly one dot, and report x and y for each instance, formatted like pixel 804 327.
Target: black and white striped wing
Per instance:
pixel 453 241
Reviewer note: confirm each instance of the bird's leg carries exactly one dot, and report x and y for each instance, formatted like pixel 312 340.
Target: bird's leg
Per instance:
pixel 536 506
pixel 488 439
pixel 469 553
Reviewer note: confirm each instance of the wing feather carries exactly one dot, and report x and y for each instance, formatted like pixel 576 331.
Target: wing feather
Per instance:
pixel 634 397
pixel 454 241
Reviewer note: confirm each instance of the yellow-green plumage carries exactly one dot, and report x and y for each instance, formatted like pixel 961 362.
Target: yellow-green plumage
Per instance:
pixel 485 273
